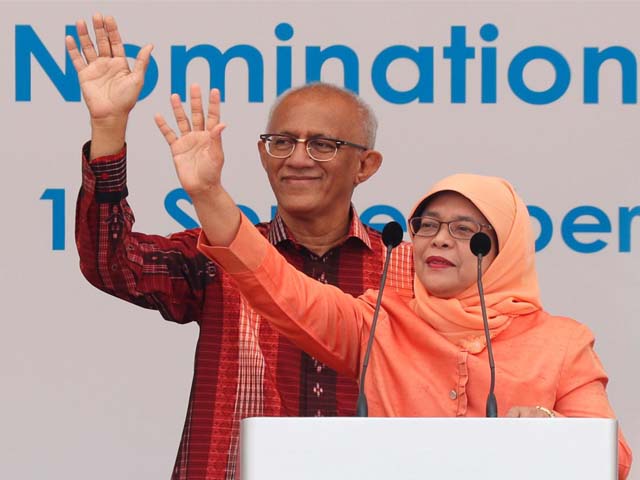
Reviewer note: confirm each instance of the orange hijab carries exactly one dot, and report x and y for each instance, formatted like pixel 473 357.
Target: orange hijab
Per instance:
pixel 510 283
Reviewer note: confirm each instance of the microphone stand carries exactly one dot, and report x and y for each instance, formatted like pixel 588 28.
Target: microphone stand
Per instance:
pixel 480 245
pixel 492 405
pixel 391 237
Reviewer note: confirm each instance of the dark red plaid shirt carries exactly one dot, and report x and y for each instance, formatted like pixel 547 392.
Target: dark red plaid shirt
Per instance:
pixel 242 366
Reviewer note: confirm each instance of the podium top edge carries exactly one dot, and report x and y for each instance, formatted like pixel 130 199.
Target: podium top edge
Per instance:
pixel 423 420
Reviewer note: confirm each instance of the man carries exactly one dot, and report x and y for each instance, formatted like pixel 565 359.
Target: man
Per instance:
pixel 317 148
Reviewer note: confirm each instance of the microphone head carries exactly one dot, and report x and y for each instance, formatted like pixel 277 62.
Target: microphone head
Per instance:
pixel 480 244
pixel 392 234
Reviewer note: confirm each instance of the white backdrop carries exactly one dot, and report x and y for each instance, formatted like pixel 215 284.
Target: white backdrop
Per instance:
pixel 95 388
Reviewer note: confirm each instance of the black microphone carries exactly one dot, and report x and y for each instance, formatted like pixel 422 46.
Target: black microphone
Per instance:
pixel 391 236
pixel 480 245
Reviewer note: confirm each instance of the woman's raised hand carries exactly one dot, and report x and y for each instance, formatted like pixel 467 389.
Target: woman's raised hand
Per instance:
pixel 197 149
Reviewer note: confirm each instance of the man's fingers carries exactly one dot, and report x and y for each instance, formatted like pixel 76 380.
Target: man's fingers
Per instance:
pixel 102 39
pixel 215 134
pixel 168 134
pixel 178 112
pixel 111 27
pixel 142 59
pixel 213 112
pixel 85 41
pixel 197 115
pixel 74 53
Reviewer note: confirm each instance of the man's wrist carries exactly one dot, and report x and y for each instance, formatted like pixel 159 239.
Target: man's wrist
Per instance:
pixel 107 138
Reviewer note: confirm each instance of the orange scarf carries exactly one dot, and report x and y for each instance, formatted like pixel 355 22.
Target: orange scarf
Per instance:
pixel 510 283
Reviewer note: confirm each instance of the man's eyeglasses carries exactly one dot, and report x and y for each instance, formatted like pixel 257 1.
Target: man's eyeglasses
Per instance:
pixel 460 229
pixel 320 149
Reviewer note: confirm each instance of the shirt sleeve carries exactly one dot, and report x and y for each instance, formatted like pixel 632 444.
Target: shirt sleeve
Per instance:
pixel 163 273
pixel 582 390
pixel 321 319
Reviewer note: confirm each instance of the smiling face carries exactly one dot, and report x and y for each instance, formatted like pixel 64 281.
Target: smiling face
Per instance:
pixel 303 187
pixel 445 265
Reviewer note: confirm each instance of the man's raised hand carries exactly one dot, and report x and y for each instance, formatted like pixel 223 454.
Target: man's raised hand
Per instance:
pixel 110 88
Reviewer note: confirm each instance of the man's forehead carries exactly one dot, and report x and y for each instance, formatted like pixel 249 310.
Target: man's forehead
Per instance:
pixel 317 99
pixel 313 113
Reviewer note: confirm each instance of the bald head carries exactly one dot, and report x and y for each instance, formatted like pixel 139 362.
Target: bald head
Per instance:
pixel 368 123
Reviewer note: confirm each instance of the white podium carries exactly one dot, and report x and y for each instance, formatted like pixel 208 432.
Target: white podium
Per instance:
pixel 428 448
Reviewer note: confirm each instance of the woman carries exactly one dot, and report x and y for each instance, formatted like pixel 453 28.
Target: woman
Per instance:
pixel 429 357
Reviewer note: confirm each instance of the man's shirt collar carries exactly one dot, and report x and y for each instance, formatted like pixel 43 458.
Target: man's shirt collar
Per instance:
pixel 278 232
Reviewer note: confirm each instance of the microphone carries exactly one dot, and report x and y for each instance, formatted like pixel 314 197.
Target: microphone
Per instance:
pixel 391 236
pixel 480 245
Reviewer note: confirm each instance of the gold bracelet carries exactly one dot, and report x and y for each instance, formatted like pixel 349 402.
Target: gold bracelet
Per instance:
pixel 549 413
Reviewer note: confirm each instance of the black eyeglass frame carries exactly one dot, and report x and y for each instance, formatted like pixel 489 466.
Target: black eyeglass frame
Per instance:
pixel 265 137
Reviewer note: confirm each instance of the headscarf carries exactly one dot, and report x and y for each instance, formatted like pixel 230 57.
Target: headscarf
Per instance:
pixel 510 283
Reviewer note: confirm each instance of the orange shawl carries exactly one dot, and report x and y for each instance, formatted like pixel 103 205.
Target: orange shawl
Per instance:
pixel 510 283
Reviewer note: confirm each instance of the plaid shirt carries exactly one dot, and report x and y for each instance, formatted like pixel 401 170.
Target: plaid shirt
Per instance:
pixel 242 366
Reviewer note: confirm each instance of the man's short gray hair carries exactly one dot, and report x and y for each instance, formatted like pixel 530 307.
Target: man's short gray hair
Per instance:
pixel 369 124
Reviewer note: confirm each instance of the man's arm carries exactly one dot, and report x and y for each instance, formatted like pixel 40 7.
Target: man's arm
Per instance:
pixel 164 273
pixel 167 274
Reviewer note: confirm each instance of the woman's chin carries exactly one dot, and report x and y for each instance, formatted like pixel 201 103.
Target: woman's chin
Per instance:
pixel 444 294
